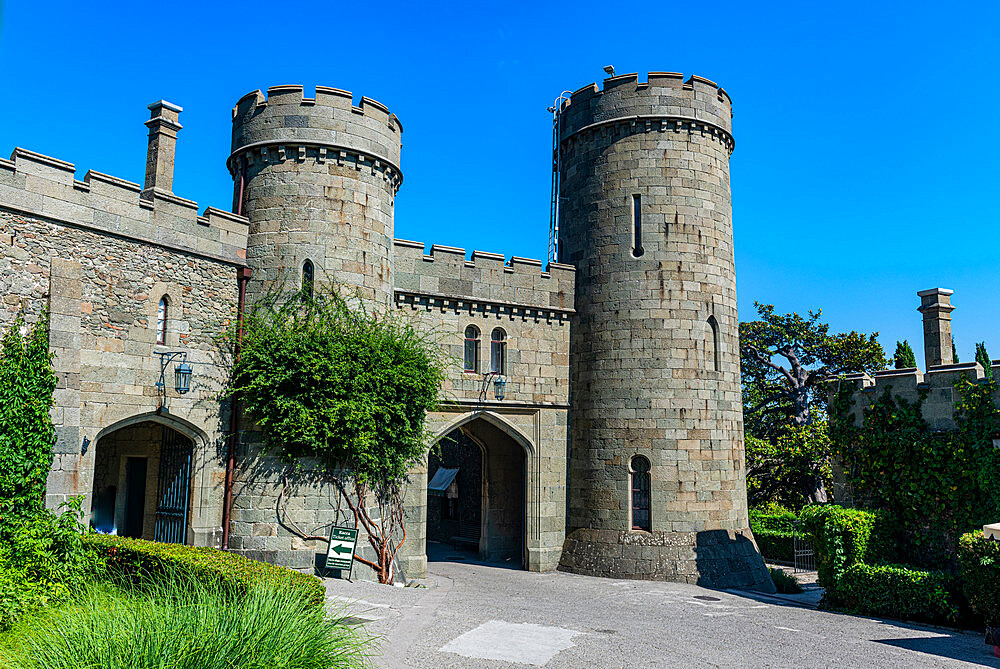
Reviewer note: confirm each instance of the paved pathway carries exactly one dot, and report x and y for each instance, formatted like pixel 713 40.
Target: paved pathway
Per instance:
pixel 475 615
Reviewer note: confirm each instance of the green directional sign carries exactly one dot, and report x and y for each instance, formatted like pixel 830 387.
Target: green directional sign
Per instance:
pixel 340 554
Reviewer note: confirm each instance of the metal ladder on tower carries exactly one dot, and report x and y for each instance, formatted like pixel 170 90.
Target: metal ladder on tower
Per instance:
pixel 555 110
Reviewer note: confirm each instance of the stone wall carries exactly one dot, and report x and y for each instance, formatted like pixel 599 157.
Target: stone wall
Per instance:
pixel 908 384
pixel 99 257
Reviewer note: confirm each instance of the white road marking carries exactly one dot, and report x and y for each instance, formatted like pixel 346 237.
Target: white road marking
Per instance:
pixel 512 642
pixel 787 629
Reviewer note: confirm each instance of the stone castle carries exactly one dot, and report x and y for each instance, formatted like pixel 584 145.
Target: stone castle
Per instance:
pixel 616 448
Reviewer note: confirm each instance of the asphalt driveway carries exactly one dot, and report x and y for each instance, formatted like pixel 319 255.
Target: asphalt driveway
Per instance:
pixel 476 615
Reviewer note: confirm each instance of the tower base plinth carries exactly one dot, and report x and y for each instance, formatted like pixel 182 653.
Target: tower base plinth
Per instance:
pixel 711 558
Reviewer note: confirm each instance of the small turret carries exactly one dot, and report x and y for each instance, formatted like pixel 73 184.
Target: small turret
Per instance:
pixel 317 178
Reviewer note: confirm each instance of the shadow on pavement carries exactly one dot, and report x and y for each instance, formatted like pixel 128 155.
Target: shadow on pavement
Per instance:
pixel 439 552
pixel 949 644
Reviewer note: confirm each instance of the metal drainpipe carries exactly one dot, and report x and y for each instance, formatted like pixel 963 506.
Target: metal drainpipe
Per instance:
pixel 242 277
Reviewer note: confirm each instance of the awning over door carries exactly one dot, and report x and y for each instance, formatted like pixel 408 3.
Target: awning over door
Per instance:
pixel 441 481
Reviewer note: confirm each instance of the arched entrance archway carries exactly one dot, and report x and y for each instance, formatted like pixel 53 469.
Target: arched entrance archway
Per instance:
pixel 476 492
pixel 142 481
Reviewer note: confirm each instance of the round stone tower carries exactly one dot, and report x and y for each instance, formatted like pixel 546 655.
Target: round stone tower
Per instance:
pixel 657 475
pixel 317 177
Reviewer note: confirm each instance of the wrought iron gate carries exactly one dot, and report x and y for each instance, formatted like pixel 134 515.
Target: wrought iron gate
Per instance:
pixel 805 559
pixel 173 488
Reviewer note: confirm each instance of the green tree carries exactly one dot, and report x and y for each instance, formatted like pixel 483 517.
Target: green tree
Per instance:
pixel 27 435
pixel 785 361
pixel 954 352
pixel 326 379
pixel 983 358
pixel 904 357
pixel 783 392
pixel 791 468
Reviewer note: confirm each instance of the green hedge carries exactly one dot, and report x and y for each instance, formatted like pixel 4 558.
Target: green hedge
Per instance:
pixel 843 537
pixel 775 545
pixel 896 591
pixel 137 560
pixel 979 562
pixel 772 522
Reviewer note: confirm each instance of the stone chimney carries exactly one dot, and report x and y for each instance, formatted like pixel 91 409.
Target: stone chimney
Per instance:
pixel 163 126
pixel 935 305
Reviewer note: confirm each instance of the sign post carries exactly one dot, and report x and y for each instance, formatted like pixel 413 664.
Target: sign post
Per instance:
pixel 340 554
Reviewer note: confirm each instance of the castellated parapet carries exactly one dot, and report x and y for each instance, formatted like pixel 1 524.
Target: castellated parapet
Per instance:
pixel 937 385
pixel 317 178
pixel 43 186
pixel 655 369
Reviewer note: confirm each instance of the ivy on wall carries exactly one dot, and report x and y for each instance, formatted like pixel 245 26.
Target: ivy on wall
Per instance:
pixel 27 382
pixel 936 485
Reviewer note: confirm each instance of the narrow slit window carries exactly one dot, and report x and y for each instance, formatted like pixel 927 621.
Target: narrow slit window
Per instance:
pixel 637 250
pixel 712 344
pixel 308 277
pixel 498 352
pixel 161 321
pixel 639 474
pixel 472 349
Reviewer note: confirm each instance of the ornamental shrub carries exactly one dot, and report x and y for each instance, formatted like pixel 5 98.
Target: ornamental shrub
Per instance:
pixel 775 544
pixel 843 537
pixel 772 520
pixel 897 591
pixel 26 431
pixel 979 564
pixel 784 582
pixel 181 622
pixel 42 561
pixel 143 562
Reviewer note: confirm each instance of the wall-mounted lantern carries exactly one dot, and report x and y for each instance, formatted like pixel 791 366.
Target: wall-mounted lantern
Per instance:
pixel 499 385
pixel 182 378
pixel 182 374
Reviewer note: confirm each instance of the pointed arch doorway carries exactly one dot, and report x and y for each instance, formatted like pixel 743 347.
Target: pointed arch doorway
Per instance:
pixel 143 481
pixel 476 495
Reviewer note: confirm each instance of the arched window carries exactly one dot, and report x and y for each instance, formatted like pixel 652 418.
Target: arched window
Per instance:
pixel 161 321
pixel 308 277
pixel 639 474
pixel 472 349
pixel 712 345
pixel 498 352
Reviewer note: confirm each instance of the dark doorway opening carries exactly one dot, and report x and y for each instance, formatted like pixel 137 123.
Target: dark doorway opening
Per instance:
pixel 477 512
pixel 135 496
pixel 142 483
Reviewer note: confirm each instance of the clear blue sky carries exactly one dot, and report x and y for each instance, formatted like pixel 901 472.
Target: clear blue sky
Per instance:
pixel 866 137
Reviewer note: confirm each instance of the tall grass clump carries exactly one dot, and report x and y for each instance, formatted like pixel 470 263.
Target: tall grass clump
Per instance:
pixel 183 623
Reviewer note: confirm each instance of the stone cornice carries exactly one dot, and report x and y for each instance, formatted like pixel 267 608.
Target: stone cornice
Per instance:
pixel 320 152
pixel 416 299
pixel 660 123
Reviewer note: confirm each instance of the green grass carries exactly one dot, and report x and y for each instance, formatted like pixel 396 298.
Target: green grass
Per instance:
pixel 182 623
pixel 785 582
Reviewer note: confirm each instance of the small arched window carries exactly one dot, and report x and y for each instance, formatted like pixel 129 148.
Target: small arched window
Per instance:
pixel 498 352
pixel 161 321
pixel 712 345
pixel 308 277
pixel 472 349
pixel 639 475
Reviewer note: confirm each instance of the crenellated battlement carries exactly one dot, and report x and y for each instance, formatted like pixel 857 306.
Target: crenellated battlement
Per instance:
pixel 287 119
pixel 334 98
pixel 937 382
pixel 39 185
pixel 665 100
pixel 444 277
